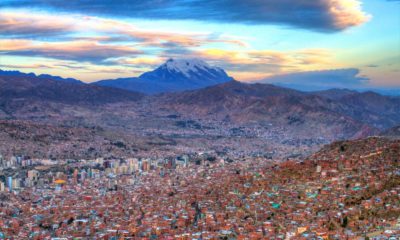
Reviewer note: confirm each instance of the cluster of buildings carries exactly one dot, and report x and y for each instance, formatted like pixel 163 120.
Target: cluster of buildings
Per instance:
pixel 331 195
pixel 20 172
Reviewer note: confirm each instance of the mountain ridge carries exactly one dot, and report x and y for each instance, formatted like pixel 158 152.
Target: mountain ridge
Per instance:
pixel 45 76
pixel 28 88
pixel 258 116
pixel 242 103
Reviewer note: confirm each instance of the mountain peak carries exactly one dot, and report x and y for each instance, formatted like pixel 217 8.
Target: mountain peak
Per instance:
pixel 172 76
pixel 185 74
pixel 185 66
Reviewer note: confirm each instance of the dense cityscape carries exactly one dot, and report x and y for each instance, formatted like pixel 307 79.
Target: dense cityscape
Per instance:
pixel 345 191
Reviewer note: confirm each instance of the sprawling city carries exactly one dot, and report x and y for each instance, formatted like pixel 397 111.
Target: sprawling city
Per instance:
pixel 206 196
pixel 194 119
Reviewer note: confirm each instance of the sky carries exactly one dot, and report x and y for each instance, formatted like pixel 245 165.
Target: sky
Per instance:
pixel 335 43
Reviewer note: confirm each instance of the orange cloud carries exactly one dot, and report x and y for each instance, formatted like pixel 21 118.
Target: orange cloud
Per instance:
pixel 23 23
pixel 7 45
pixel 253 64
pixel 28 23
pixel 248 76
pixel 140 61
pixel 287 58
pixel 347 13
pixel 73 50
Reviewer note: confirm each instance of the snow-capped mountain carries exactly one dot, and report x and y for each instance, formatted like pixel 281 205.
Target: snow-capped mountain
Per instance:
pixel 186 66
pixel 172 76
pixel 195 70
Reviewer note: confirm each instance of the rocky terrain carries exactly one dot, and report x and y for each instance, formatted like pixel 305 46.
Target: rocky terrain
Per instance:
pixel 393 132
pixel 38 140
pixel 22 89
pixel 270 106
pixel 234 117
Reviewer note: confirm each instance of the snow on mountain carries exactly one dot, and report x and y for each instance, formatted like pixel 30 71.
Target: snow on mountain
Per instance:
pixel 185 66
pixel 172 76
pixel 194 72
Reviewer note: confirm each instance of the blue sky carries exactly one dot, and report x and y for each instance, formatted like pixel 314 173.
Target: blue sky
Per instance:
pixel 251 40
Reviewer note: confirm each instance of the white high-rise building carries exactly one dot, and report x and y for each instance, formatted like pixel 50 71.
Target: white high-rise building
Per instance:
pixel 2 187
